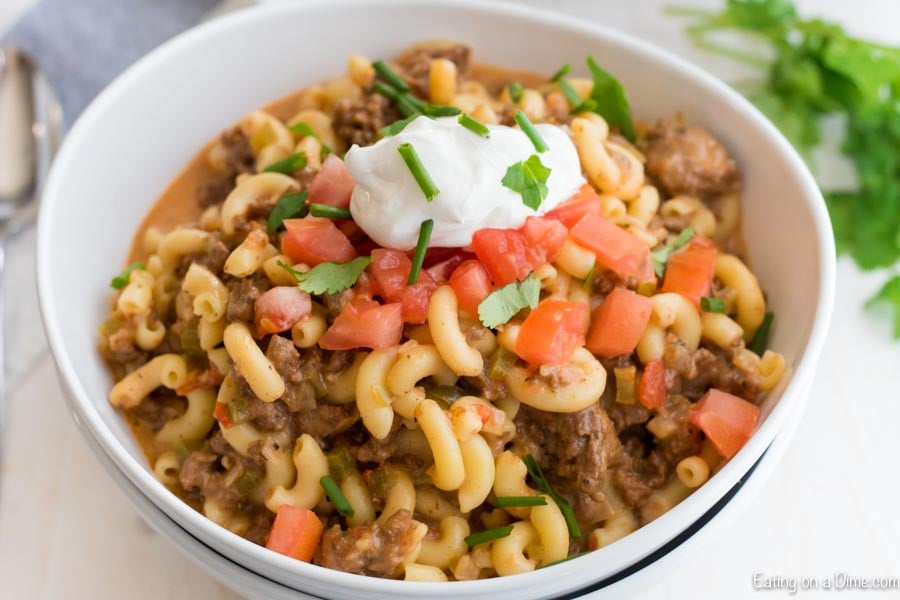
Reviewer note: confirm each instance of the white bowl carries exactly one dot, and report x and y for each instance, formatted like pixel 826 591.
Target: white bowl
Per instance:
pixel 141 131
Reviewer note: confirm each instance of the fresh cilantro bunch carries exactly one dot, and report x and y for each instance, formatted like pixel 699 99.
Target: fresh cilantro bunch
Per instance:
pixel 819 70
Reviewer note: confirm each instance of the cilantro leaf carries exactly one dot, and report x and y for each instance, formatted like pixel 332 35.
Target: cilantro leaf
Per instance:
pixel 712 304
pixel 609 100
pixel 288 207
pixel 397 126
pixel 504 303
pixel 121 280
pixel 890 294
pixel 661 256
pixel 528 178
pixel 329 277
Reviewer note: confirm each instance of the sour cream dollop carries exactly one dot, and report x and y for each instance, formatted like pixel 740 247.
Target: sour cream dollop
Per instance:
pixel 389 205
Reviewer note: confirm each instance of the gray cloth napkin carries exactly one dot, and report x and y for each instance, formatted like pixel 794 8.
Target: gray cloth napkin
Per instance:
pixel 83 44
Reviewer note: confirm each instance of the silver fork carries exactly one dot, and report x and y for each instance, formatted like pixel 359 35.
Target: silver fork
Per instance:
pixel 30 129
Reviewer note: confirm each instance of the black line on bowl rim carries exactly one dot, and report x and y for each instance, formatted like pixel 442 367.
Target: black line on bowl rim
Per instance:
pixel 672 544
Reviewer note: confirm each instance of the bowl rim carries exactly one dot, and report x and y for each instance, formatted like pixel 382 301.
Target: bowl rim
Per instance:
pixel 645 536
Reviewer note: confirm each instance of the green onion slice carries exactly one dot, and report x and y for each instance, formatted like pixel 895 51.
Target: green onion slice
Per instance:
pixel 437 110
pixel 412 160
pixel 563 71
pixel 488 535
pixel 515 91
pixel 287 166
pixel 121 280
pixel 288 207
pixel 336 496
pixel 421 248
pixel 388 75
pixel 474 125
pixel 537 474
pixel 505 501
pixel 761 339
pixel 569 92
pixel 529 129
pixel 329 212
pixel 712 304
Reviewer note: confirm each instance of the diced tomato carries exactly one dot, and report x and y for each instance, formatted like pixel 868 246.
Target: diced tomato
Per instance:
pixel 221 414
pixel 441 271
pixel 504 252
pixel 471 284
pixel 390 270
pixel 278 308
pixel 332 185
pixel 618 323
pixel 544 237
pixel 197 380
pixel 312 240
pixel 652 389
pixel 615 248
pixel 553 330
pixel 728 421
pixel 690 271
pixel 584 201
pixel 295 532
pixel 363 323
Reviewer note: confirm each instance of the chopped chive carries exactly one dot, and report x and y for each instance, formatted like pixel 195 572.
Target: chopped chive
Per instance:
pixel 563 71
pixel 329 212
pixel 121 280
pixel 589 105
pixel 412 160
pixel 397 126
pixel 388 75
pixel 336 496
pixel 304 129
pixel 488 535
pixel 537 474
pixel 288 207
pixel 562 560
pixel 515 91
pixel 712 305
pixel 522 119
pixel 387 90
pixel 474 125
pixel 660 257
pixel 437 110
pixel 569 92
pixel 288 165
pixel 406 104
pixel 421 248
pixel 504 501
pixel 760 340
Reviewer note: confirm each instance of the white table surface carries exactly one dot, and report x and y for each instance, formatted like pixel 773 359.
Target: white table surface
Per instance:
pixel 831 506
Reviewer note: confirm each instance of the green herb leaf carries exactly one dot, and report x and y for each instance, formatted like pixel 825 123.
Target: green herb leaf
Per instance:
pixel 504 303
pixel 488 535
pixel 588 281
pixel 611 103
pixel 305 129
pixel 328 211
pixel 528 178
pixel 889 294
pixel 474 125
pixel 388 75
pixel 531 131
pixel 421 248
pixel 505 501
pixel 661 256
pixel 337 497
pixel 397 126
pixel 121 280
pixel 329 277
pixel 761 339
pixel 289 165
pixel 537 474
pixel 515 91
pixel 712 305
pixel 562 72
pixel 419 173
pixel 289 206
pixel 571 95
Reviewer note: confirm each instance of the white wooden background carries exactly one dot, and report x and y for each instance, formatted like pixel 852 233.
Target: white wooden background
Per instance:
pixel 831 506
